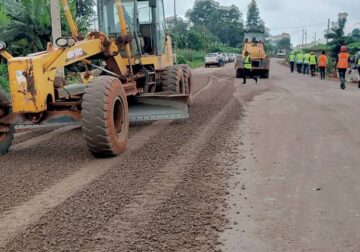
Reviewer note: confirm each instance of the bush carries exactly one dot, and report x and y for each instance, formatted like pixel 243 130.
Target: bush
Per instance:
pixel 191 57
pixel 4 81
pixel 354 47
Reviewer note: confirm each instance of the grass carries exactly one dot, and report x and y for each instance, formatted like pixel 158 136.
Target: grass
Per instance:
pixel 197 63
pixel 4 82
pixel 196 58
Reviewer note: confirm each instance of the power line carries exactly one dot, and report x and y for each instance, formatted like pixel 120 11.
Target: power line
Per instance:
pixel 298 27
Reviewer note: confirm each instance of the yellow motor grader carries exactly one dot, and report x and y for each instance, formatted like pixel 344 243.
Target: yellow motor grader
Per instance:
pixel 127 74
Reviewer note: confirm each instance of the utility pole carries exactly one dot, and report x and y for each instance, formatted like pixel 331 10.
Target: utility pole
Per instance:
pixel 305 37
pixel 302 38
pixel 175 10
pixel 55 20
pixel 327 34
pixel 204 38
pixel 175 31
pixel 56 27
pixel 315 38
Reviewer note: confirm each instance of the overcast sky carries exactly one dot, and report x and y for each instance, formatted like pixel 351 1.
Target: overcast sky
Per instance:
pixel 277 14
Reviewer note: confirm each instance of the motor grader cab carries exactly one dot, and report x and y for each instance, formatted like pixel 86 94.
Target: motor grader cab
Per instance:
pixel 126 74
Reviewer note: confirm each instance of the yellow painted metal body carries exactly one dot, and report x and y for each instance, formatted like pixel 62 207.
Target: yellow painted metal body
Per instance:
pixel 32 77
pixel 73 27
pixel 256 50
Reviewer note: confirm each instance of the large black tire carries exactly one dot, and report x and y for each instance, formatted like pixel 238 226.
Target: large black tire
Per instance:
pixel 6 138
pixel 173 80
pixel 105 116
pixel 187 77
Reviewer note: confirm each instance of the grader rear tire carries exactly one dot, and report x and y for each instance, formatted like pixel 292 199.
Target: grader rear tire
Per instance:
pixel 105 116
pixel 173 80
pixel 6 138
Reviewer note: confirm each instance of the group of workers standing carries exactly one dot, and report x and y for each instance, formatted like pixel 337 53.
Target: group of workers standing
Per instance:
pixel 308 61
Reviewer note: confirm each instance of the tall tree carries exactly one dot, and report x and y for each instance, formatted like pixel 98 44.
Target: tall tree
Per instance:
pixel 284 43
pixel 336 34
pixel 253 20
pixel 203 12
pixel 85 13
pixel 355 35
pixel 225 22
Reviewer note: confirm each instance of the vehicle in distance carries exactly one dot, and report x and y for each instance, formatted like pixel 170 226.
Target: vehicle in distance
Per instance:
pixel 213 59
pixel 281 54
pixel 254 45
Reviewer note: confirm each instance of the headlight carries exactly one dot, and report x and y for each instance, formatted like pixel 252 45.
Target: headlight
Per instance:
pixel 61 42
pixel 65 42
pixel 2 46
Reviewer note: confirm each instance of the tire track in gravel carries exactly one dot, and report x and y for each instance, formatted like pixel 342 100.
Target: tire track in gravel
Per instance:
pixel 22 215
pixel 42 138
pixel 159 189
pixel 193 215
pixel 34 162
pixel 70 225
pixel 24 135
pixel 28 171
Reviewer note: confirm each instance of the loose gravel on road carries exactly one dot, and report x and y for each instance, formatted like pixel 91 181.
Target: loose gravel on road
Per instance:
pixel 166 195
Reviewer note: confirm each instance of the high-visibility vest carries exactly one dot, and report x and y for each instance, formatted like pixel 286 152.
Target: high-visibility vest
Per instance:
pixel 343 60
pixel 247 64
pixel 292 57
pixel 299 58
pixel 312 60
pixel 322 62
pixel 358 63
pixel 307 58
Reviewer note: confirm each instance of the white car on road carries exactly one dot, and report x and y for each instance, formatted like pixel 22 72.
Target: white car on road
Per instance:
pixel 212 59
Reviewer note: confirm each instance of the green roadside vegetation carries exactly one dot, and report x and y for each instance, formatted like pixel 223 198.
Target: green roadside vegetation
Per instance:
pixel 4 83
pixel 25 25
pixel 197 58
pixel 337 38
pixel 210 27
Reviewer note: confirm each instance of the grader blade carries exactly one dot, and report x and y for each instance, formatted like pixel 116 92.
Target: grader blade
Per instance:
pixel 150 107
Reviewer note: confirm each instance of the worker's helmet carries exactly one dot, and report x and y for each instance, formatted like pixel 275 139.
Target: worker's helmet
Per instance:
pixel 343 49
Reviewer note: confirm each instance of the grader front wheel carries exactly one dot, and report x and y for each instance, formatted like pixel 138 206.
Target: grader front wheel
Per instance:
pixel 6 131
pixel 105 116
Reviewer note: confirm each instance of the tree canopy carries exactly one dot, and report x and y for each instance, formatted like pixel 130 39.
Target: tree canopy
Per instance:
pixel 223 22
pixel 284 43
pixel 26 24
pixel 253 20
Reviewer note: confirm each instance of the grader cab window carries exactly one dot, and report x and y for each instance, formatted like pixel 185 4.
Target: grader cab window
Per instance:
pixel 108 16
pixel 145 21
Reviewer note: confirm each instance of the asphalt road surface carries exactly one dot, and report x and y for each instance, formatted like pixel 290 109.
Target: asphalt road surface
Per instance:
pixel 272 166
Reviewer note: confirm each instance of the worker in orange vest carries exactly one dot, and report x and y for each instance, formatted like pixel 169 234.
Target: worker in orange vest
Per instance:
pixel 342 64
pixel 322 63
